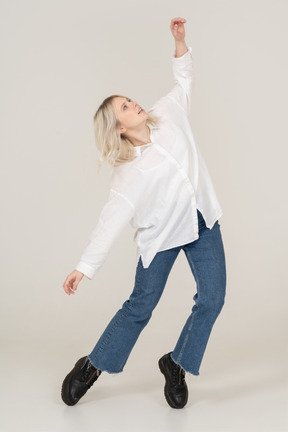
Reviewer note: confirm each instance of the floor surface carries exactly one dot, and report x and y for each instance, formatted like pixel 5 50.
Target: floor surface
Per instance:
pixel 253 399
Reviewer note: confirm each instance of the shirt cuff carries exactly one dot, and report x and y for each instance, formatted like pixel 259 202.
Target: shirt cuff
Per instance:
pixel 84 268
pixel 184 57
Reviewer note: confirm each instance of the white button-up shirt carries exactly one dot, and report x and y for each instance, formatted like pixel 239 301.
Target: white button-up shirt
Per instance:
pixel 159 192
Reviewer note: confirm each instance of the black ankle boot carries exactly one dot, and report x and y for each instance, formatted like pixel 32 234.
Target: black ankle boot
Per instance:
pixel 78 381
pixel 175 390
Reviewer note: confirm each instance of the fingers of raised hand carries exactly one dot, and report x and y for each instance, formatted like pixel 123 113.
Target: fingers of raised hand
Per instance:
pixel 177 21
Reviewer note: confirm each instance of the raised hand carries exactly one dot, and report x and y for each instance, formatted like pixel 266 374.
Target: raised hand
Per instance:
pixel 178 29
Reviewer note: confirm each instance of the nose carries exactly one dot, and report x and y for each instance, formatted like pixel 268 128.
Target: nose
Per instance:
pixel 136 104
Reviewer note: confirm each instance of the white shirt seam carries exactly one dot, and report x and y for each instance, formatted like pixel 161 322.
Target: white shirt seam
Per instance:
pixel 124 197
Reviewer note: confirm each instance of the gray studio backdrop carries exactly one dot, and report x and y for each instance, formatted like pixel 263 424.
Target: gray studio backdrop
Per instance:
pixel 60 59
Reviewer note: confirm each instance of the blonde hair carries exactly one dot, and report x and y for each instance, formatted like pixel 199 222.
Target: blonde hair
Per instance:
pixel 115 148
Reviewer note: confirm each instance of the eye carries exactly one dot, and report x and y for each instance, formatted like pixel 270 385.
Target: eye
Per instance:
pixel 129 100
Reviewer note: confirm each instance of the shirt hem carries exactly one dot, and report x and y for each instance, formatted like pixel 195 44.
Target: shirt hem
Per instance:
pixel 181 243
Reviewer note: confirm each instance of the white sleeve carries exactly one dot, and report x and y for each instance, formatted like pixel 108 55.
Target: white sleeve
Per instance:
pixel 180 94
pixel 115 215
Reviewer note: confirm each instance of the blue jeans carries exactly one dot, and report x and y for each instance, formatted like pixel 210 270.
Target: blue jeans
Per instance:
pixel 206 259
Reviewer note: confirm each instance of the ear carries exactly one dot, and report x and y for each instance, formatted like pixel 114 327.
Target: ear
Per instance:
pixel 122 130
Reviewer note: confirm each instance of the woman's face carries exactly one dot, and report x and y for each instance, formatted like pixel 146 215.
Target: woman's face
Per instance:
pixel 127 113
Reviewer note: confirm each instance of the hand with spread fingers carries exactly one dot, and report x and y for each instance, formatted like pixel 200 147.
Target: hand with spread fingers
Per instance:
pixel 177 28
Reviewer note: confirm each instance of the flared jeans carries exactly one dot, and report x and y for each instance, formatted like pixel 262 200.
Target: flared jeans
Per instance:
pixel 206 259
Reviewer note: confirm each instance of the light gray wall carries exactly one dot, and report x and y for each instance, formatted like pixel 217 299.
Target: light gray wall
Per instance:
pixel 60 59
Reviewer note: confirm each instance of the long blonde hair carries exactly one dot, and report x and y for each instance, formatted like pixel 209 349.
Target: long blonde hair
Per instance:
pixel 115 149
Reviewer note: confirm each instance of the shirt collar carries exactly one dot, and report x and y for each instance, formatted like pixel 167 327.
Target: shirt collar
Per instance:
pixel 141 148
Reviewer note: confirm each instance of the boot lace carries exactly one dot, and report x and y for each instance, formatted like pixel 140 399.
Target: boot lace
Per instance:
pixel 178 375
pixel 90 374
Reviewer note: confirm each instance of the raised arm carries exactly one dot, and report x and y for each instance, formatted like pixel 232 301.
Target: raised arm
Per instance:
pixel 180 95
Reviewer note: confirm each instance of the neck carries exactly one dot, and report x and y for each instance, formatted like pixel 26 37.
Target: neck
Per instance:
pixel 139 136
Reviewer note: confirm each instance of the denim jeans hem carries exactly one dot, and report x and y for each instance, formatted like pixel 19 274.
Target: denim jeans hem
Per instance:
pixel 105 370
pixel 187 371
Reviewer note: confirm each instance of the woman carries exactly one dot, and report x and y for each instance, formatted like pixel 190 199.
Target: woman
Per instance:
pixel 161 185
